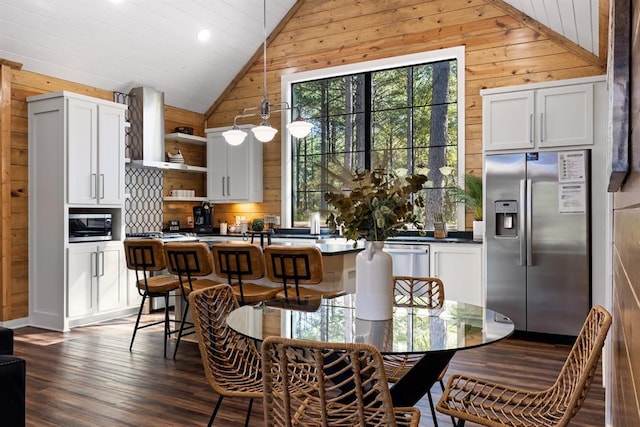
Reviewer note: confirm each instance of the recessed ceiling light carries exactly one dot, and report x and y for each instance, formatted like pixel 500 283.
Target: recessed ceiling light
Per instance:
pixel 204 35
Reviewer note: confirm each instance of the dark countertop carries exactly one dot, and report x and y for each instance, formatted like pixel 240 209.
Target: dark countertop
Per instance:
pixel 327 249
pixel 325 236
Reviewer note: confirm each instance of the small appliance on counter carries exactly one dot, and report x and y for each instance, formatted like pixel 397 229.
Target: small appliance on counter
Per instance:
pixel 202 218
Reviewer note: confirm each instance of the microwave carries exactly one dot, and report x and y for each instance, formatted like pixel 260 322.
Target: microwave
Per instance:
pixel 89 227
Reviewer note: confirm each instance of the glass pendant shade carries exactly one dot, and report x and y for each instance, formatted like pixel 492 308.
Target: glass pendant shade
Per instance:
pixel 234 136
pixel 299 128
pixel 264 132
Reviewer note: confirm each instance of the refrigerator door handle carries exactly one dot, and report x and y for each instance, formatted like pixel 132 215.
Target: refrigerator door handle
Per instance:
pixel 529 225
pixel 521 223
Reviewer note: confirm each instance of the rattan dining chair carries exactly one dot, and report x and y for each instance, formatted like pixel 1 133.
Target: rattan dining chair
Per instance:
pixel 231 362
pixel 293 266
pixel 239 262
pixel 189 261
pixel 492 404
pixel 424 292
pixel 146 258
pixel 310 383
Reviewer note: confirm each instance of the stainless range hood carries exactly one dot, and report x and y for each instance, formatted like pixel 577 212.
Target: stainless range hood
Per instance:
pixel 146 106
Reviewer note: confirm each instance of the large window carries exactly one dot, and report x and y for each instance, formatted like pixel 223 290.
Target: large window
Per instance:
pixel 403 117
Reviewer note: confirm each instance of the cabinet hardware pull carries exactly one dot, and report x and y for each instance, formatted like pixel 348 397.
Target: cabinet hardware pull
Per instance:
pixel 541 127
pixel 435 264
pixel 229 186
pixel 94 185
pixel 101 181
pixel 223 193
pixel 102 263
pixel 94 264
pixel 531 128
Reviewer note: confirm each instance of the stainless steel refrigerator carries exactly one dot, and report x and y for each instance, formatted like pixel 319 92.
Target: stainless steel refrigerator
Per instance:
pixel 537 239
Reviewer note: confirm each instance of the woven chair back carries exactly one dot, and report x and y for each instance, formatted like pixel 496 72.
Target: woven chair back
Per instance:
pixel 574 381
pixel 144 255
pixel 425 292
pixel 309 383
pixel 238 261
pixel 231 362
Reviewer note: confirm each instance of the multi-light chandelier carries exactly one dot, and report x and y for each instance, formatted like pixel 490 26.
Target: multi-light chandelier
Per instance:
pixel 265 133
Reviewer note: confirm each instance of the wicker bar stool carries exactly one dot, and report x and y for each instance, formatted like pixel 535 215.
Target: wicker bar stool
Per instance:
pixel 294 266
pixel 189 261
pixel 425 292
pixel 145 257
pixel 240 262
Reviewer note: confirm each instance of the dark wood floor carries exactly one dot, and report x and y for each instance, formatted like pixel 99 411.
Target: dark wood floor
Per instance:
pixel 88 377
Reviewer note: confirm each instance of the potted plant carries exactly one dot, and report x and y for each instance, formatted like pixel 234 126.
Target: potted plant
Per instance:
pixel 471 196
pixel 374 205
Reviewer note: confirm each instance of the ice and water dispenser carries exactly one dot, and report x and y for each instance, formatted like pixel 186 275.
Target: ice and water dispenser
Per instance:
pixel 506 218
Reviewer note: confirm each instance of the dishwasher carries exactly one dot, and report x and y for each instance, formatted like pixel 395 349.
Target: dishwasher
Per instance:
pixel 409 259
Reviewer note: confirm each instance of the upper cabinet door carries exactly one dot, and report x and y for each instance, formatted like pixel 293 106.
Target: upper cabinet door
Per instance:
pixel 82 137
pixel 238 170
pixel 110 182
pixel 508 120
pixel 95 167
pixel 234 173
pixel 557 115
pixel 565 115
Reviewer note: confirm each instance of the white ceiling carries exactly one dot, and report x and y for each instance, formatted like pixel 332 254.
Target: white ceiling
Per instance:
pixel 120 45
pixel 577 20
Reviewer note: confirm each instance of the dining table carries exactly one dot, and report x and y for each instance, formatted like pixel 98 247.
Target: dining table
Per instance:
pixel 435 334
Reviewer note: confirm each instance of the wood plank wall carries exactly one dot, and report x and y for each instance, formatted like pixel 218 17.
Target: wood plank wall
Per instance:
pixel 626 269
pixel 500 51
pixel 14 287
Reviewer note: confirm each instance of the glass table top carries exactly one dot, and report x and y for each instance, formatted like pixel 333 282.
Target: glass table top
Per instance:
pixel 454 326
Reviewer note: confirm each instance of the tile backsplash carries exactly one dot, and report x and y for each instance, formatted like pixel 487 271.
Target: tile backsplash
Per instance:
pixel 143 206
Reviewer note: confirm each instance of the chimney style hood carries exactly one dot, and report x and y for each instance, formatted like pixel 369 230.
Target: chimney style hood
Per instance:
pixel 146 106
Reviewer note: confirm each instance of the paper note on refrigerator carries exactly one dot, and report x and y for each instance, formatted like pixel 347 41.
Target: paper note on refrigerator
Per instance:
pixel 571 166
pixel 571 197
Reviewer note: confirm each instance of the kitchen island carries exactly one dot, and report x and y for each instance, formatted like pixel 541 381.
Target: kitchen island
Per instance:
pixel 338 259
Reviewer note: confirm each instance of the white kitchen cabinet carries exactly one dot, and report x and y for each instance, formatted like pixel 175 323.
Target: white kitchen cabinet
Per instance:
pixel 96 278
pixel 95 146
pixel 71 137
pixel 527 117
pixel 459 266
pixel 234 173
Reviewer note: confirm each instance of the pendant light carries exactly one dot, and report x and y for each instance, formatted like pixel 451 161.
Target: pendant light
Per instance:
pixel 265 132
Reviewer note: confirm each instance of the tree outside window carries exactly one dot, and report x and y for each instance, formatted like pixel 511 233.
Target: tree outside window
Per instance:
pixel 405 117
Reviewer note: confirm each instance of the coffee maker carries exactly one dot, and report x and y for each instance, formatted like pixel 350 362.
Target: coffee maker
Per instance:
pixel 202 218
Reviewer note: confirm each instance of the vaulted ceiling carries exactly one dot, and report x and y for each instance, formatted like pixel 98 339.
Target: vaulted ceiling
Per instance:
pixel 121 44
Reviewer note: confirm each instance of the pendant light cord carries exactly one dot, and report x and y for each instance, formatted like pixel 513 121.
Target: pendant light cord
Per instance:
pixel 264 54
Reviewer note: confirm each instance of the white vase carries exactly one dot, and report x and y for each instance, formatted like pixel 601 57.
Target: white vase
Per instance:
pixel 374 283
pixel 478 230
